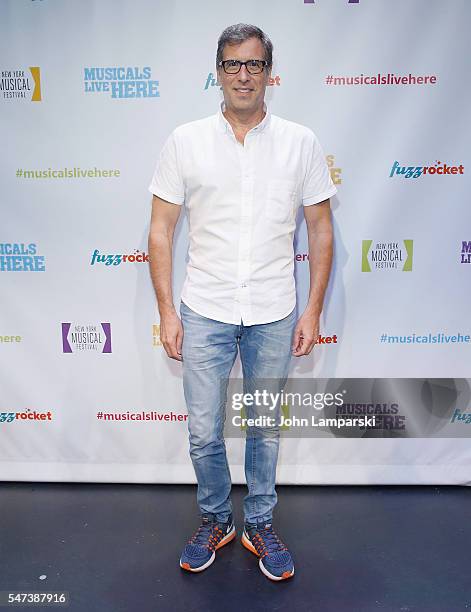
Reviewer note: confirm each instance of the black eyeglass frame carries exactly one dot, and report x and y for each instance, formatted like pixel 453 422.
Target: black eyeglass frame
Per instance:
pixel 223 62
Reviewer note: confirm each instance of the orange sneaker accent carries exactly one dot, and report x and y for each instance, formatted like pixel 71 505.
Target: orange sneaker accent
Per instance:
pixel 248 545
pixel 223 542
pixel 286 575
pixel 186 566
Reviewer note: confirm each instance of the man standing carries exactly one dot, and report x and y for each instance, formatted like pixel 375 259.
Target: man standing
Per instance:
pixel 241 175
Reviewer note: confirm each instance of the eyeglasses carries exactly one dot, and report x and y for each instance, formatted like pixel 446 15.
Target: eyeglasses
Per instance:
pixel 254 66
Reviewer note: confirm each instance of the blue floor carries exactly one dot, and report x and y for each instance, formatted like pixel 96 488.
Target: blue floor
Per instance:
pixel 116 548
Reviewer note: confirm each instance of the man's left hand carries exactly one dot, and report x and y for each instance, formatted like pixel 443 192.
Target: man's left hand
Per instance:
pixel 305 334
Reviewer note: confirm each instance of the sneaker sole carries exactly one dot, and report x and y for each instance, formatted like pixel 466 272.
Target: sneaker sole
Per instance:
pixel 249 546
pixel 226 539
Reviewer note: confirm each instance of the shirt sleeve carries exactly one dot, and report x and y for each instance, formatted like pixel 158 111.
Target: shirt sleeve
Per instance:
pixel 318 184
pixel 167 182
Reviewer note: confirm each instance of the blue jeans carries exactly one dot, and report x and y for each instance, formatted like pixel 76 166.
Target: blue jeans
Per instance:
pixel 208 353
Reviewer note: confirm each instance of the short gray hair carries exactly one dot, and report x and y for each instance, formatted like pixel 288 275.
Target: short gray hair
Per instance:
pixel 239 33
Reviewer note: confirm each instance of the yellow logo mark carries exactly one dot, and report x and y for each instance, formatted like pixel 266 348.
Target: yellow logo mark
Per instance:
pixel 156 335
pixel 334 172
pixel 35 73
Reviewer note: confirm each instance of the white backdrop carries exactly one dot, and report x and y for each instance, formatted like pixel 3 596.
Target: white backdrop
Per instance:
pixel 61 112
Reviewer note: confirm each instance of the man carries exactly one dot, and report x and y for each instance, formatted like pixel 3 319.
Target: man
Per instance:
pixel 241 175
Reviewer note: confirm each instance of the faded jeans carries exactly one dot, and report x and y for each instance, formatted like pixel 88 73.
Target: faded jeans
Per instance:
pixel 208 353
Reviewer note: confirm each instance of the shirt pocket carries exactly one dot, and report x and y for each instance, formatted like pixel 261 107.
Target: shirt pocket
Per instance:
pixel 280 200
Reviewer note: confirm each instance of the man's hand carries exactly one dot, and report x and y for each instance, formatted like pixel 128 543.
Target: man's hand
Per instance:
pixel 320 239
pixel 305 334
pixel 171 335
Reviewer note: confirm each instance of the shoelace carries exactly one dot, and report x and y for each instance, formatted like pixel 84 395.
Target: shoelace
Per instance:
pixel 266 541
pixel 208 535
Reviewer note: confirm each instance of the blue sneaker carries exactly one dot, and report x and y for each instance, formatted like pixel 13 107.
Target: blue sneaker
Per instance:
pixel 200 550
pixel 275 560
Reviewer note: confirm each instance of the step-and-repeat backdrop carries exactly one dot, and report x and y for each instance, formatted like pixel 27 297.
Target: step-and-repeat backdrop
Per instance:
pixel 89 91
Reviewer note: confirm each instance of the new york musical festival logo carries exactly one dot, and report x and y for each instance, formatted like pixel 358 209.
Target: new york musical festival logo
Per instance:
pixel 21 84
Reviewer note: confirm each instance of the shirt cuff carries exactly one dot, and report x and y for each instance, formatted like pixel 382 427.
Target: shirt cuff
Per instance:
pixel 319 197
pixel 168 197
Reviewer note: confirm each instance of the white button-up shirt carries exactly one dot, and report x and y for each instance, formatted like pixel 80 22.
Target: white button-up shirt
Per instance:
pixel 241 203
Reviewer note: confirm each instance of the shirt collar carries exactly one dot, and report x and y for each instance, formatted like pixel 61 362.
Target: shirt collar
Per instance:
pixel 225 126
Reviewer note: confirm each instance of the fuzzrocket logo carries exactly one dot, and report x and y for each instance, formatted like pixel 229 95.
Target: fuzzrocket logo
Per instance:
pixel 415 172
pixel 118 259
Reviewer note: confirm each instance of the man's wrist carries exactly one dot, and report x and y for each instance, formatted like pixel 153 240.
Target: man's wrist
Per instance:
pixel 313 310
pixel 166 309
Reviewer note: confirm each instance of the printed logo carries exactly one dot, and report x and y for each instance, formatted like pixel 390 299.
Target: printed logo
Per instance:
pixel 464 418
pixel 18 257
pixel 121 82
pixel 438 337
pixel 66 173
pixel 327 339
pixel 386 415
pixel 90 337
pixel 381 79
pixel 117 260
pixel 418 171
pixel 10 339
pixel 22 84
pixel 26 415
pixel 211 81
pixel 334 172
pixel 143 415
pixel 466 251
pixel 387 256
pixel 156 335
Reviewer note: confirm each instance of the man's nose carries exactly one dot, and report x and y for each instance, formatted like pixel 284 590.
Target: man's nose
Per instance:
pixel 244 74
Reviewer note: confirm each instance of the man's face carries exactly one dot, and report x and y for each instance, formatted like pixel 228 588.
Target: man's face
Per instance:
pixel 244 91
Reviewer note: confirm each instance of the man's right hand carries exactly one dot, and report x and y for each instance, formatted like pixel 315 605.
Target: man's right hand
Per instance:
pixel 171 335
